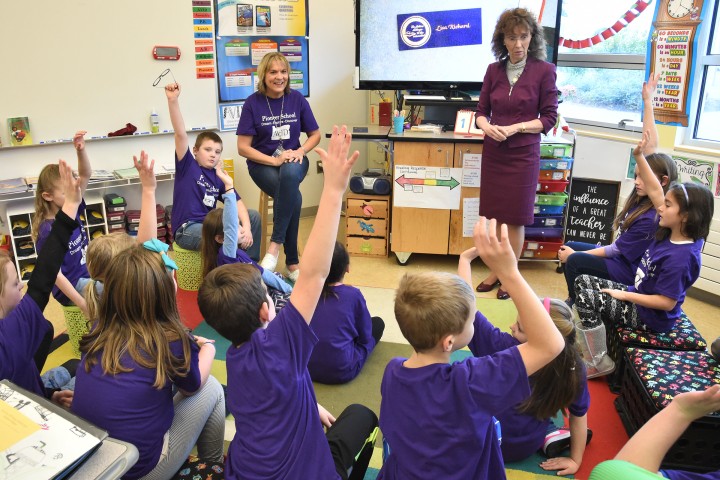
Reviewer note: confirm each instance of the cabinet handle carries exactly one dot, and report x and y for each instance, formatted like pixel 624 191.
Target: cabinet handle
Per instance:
pixel 447 158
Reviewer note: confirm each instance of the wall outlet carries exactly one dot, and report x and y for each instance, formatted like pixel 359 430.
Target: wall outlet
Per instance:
pixel 319 166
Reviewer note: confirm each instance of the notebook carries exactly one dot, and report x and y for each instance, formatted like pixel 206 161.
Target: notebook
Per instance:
pixel 40 439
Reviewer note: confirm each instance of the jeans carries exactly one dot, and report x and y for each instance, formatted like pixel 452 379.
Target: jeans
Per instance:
pixel 580 263
pixel 283 185
pixel 188 236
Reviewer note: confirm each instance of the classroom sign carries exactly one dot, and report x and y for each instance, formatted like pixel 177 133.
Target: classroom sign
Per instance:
pixel 591 211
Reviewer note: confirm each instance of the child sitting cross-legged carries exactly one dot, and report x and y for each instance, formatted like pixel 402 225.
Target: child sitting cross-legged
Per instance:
pixel 279 424
pixel 450 432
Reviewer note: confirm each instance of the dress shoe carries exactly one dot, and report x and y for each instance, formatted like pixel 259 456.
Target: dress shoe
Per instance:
pixel 502 294
pixel 486 287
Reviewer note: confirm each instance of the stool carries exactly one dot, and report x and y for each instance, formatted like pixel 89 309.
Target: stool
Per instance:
pixel 652 378
pixel 76 325
pixel 266 220
pixel 683 336
pixel 189 273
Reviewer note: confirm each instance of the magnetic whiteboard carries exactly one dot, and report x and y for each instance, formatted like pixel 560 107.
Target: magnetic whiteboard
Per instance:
pixel 87 64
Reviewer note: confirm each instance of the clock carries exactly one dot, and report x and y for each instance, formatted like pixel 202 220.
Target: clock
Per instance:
pixel 679 8
pixel 676 24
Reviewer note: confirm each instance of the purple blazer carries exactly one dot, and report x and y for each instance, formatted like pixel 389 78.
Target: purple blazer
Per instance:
pixel 534 96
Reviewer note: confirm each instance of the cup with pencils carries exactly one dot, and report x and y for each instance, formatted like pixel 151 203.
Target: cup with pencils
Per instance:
pixel 398 121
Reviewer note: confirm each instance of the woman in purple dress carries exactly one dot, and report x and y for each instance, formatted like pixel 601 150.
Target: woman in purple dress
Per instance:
pixel 518 100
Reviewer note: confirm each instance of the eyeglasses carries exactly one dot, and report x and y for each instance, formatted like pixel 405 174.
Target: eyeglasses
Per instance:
pixel 160 77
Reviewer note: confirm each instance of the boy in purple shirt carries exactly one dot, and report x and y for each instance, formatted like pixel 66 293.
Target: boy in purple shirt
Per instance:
pixel 449 433
pixel 279 424
pixel 197 186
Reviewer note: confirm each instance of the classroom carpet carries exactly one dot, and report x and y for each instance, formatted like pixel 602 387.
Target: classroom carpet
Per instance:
pixel 608 437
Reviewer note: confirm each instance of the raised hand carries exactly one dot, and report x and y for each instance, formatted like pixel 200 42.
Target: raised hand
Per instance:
pixel 337 166
pixel 224 176
pixel 79 140
pixel 146 170
pixel 172 91
pixel 70 187
pixel 640 147
pixel 496 253
pixel 649 87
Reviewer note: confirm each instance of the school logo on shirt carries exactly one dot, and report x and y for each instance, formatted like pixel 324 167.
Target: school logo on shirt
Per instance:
pixel 450 28
pixel 646 268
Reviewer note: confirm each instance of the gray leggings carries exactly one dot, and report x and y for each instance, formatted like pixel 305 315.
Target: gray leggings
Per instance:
pixel 199 420
pixel 595 307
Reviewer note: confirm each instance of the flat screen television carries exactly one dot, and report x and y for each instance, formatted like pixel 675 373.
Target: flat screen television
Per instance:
pixel 431 45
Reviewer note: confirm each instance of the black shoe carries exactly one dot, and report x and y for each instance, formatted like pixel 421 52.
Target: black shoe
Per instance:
pixel 559 440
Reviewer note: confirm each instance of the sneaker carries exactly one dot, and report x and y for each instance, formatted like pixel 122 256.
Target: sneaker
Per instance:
pixel 606 366
pixel 269 262
pixel 556 442
pixel 293 276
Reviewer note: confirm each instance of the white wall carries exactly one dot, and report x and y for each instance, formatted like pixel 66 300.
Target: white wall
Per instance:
pixel 333 100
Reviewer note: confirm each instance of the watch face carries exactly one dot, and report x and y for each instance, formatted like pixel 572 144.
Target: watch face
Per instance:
pixel 679 8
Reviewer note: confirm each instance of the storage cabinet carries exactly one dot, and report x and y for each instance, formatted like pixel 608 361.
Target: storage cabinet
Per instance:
pixel 367 224
pixel 20 215
pixel 425 230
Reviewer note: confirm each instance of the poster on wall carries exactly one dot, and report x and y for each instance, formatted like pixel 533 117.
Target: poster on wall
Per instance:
pixel 247 31
pixel 696 171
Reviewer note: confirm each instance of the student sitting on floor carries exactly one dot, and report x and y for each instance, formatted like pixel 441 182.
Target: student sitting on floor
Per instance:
pixel 561 384
pixel 279 424
pixel 346 333
pixel 449 432
pixel 23 326
pixel 641 456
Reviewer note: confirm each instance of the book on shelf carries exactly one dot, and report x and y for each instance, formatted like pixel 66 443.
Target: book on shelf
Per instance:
pixel 127 173
pixel 13 185
pixel 19 129
pixel 31 182
pixel 41 440
pixel 102 175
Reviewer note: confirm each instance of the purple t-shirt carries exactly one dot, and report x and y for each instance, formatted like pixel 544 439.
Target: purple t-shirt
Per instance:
pixel 344 330
pixel 288 115
pixel 240 257
pixel 522 434
pixel 20 335
pixel 74 265
pixel 632 244
pixel 668 269
pixel 448 433
pixel 683 475
pixel 195 192
pixel 130 408
pixel 270 394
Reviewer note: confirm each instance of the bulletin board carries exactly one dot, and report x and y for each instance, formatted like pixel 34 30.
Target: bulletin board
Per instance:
pixel 81 64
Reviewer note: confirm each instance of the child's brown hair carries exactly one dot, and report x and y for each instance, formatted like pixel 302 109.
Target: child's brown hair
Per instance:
pixel 47 181
pixel 100 254
pixel 431 305
pixel 212 226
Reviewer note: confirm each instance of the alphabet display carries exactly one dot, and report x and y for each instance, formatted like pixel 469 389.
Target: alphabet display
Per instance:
pixel 591 210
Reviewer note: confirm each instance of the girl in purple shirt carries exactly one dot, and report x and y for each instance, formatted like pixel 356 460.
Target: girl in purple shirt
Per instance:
pixel 636 223
pixel 137 351
pixel 561 385
pixel 22 325
pixel 668 268
pixel 346 332
pixel 49 199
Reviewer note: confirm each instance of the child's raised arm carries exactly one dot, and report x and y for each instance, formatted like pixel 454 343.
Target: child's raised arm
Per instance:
pixel 653 188
pixel 148 215
pixel 84 168
pixel 230 213
pixel 172 92
pixel 464 269
pixel 545 341
pixel 315 263
pixel 648 89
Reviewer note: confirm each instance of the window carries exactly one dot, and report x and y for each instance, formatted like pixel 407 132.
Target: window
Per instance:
pixel 601 60
pixel 705 104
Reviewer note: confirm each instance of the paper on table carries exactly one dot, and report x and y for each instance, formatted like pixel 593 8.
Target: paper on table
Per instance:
pixel 16 426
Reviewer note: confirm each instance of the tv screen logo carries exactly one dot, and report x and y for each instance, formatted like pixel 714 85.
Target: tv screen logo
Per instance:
pixel 451 28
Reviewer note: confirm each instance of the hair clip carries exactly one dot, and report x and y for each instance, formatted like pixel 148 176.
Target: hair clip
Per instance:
pixel 546 304
pixel 687 199
pixel 155 245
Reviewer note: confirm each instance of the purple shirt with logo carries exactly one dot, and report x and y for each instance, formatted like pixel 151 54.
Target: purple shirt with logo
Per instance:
pixel 631 244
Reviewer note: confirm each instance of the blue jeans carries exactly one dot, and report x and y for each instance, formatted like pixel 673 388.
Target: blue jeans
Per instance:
pixel 189 235
pixel 583 263
pixel 283 185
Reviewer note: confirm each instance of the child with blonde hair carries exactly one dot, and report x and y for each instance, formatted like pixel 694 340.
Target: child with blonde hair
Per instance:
pixel 137 352
pixel 450 432
pixel 22 324
pixel 49 199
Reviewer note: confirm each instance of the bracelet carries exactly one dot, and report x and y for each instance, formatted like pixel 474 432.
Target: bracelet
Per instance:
pixel 522 128
pixel 229 189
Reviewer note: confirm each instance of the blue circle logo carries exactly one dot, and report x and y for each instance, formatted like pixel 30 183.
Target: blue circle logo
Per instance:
pixel 415 31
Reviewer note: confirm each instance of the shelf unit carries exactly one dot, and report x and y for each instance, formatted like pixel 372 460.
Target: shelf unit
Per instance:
pixel 20 214
pixel 367 224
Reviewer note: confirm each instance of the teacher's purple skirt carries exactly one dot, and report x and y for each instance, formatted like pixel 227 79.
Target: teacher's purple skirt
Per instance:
pixel 508 182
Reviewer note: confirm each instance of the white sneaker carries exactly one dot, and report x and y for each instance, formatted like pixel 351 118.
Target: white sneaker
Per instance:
pixel 605 366
pixel 269 262
pixel 293 276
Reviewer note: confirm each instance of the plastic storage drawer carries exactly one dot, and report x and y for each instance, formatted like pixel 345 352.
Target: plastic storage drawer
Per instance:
pixel 541 249
pixel 554 175
pixel 555 150
pixel 543 233
pixel 564 163
pixel 552 186
pixel 554 199
pixel 551 221
pixel 549 209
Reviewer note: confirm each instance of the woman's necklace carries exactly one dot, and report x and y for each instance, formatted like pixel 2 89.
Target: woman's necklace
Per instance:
pixel 514 70
pixel 279 122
